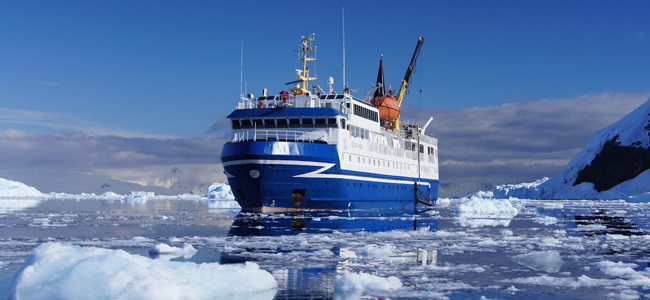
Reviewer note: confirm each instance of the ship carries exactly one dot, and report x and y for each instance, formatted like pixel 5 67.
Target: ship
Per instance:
pixel 311 149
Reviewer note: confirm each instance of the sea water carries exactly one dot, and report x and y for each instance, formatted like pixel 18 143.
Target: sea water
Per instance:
pixel 527 248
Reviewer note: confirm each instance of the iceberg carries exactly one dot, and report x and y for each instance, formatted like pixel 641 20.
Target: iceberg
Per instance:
pixel 65 271
pixel 475 207
pixel 164 251
pixel 9 188
pixel 220 191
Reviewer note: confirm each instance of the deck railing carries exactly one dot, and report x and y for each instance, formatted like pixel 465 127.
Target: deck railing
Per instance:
pixel 280 135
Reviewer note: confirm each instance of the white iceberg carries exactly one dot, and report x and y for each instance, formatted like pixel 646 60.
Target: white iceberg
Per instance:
pixel 167 252
pixel 220 191
pixel 9 188
pixel 475 207
pixel 65 271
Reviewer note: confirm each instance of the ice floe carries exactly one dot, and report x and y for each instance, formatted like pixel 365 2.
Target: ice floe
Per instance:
pixel 64 271
pixel 9 188
pixel 167 252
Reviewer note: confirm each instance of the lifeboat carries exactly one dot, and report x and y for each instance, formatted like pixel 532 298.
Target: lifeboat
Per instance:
pixel 387 106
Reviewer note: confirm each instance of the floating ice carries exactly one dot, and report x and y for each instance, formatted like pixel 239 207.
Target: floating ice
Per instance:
pixel 521 191
pixel 64 271
pixel 220 191
pixel 139 197
pixel 365 282
pixel 475 207
pixel 167 252
pixel 9 188
pixel 373 251
pixel 548 261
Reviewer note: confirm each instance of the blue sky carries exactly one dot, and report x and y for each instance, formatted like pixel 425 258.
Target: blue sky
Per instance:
pixel 119 87
pixel 161 68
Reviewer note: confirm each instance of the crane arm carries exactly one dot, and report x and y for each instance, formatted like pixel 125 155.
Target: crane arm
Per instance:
pixel 405 82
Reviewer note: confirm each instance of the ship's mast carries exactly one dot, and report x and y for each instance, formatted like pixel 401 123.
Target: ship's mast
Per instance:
pixel 303 76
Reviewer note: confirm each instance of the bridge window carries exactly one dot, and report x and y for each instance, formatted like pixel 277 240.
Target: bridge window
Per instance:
pixel 246 124
pixel 331 122
pixel 331 97
pixel 282 123
pixel 235 124
pixel 320 123
pixel 269 123
pixel 343 123
pixel 308 122
pixel 258 123
pixel 294 123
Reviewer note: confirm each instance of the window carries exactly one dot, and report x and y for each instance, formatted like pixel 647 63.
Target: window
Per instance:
pixel 269 123
pixel 258 123
pixel 294 123
pixel 331 97
pixel 246 124
pixel 282 123
pixel 343 123
pixel 308 122
pixel 320 123
pixel 331 122
pixel 235 124
pixel 339 96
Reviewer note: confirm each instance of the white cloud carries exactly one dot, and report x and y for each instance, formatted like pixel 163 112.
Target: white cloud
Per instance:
pixel 515 142
pixel 57 122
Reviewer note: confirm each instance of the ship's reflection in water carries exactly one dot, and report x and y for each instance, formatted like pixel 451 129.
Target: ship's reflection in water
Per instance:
pixel 305 272
pixel 373 220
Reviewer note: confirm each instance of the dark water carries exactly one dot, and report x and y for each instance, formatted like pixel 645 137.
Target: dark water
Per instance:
pixel 305 252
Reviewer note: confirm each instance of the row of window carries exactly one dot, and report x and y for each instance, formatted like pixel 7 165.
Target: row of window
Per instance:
pixel 287 123
pixel 380 163
pixel 359 132
pixel 387 164
pixel 366 113
pixel 413 146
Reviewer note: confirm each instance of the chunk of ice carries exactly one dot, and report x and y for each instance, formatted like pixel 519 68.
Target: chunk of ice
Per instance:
pixel 64 271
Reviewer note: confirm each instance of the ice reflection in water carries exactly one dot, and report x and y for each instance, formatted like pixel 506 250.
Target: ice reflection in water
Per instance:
pixel 306 252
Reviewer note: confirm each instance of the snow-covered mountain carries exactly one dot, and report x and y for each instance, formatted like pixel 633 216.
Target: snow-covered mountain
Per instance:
pixel 181 180
pixel 615 163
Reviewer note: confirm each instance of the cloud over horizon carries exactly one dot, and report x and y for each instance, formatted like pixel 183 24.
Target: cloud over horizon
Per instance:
pixel 517 142
pixel 479 147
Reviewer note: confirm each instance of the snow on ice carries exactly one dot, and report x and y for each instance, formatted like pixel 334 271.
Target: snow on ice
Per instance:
pixel 9 188
pixel 219 196
pixel 164 251
pixel 64 271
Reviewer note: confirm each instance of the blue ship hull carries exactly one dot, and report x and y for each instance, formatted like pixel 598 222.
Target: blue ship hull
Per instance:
pixel 283 176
